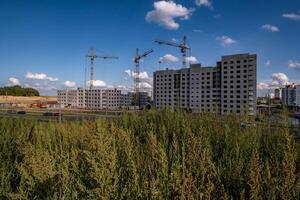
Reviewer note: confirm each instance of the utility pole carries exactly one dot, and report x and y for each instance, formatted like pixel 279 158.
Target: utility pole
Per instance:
pixel 137 80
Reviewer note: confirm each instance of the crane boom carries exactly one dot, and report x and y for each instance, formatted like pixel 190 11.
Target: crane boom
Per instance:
pixel 92 57
pixel 107 57
pixel 183 47
pixel 147 53
pixel 168 43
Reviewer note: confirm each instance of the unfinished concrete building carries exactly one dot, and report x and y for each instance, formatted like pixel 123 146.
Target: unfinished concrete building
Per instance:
pixel 229 87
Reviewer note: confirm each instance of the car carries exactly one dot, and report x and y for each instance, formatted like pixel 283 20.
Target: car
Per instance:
pixel 22 112
pixel 48 114
pixel 57 114
pixel 11 112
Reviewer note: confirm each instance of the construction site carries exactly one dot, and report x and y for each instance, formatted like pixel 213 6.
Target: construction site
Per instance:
pixel 90 97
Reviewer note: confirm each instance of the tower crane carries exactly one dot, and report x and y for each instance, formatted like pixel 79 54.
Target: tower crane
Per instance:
pixel 137 80
pixel 183 47
pixel 92 57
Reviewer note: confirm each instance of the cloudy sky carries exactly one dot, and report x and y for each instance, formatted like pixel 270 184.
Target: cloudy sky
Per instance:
pixel 43 43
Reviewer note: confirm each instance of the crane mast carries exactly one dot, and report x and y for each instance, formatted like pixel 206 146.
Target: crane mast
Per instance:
pixel 183 48
pixel 137 79
pixel 92 57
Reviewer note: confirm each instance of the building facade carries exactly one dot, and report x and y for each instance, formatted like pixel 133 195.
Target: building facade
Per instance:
pixel 129 99
pixel 278 93
pixel 291 95
pixel 229 87
pixel 92 99
pixel 111 99
pixel 298 96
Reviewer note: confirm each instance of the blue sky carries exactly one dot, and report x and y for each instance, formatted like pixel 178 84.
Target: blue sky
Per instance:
pixel 43 42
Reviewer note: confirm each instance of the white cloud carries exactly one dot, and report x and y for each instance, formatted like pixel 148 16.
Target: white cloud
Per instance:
pixel 14 81
pixel 168 58
pixel 121 87
pixel 270 27
pixel 205 3
pixel 145 85
pixel 191 60
pixel 165 13
pixel 263 86
pixel 143 75
pixel 225 40
pixel 146 81
pixel 294 64
pixel 291 16
pixel 44 87
pixel 280 79
pixel 268 63
pixel 40 76
pixel 97 83
pixel 277 80
pixel 69 84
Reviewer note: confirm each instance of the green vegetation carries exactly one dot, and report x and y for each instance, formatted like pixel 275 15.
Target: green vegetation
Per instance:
pixel 18 91
pixel 160 155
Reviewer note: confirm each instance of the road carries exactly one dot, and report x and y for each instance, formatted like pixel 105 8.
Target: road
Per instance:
pixel 65 117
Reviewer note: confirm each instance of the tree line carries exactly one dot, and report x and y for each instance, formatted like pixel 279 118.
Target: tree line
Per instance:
pixel 18 91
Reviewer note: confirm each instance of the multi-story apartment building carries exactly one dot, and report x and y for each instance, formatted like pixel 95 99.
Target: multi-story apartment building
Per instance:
pixel 230 87
pixel 111 99
pixel 93 99
pixel 291 95
pixel 129 99
pixel 278 93
pixel 67 97
pixel 238 84
pixel 298 96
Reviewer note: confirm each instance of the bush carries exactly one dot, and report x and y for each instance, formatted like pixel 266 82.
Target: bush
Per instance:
pixel 160 155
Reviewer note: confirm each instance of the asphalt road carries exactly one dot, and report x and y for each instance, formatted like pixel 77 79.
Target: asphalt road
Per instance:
pixel 65 117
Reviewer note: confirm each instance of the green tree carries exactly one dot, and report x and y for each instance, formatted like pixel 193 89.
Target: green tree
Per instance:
pixel 18 91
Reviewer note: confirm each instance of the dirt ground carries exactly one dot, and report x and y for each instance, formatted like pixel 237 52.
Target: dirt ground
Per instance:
pixel 27 100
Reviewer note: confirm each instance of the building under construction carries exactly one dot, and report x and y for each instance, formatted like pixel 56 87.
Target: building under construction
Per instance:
pixel 91 99
pixel 100 99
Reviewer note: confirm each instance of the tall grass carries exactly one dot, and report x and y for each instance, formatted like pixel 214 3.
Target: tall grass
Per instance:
pixel 158 155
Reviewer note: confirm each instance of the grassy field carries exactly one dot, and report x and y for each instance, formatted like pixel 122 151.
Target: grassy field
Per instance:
pixel 158 155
